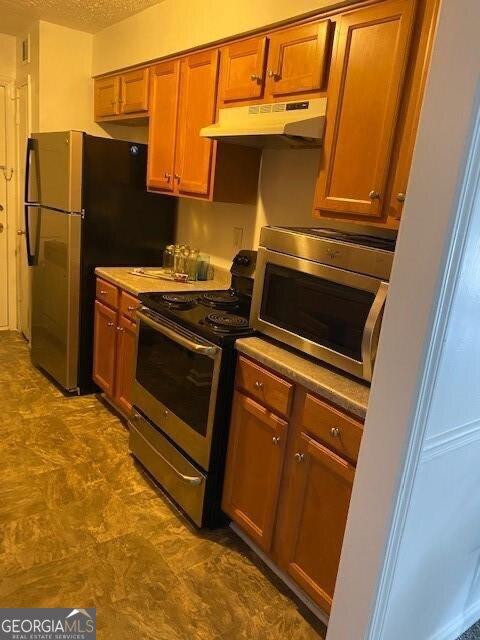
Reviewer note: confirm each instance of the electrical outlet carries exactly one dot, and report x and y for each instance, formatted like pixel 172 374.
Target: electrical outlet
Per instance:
pixel 237 239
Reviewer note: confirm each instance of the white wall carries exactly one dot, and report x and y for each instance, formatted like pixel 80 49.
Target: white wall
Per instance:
pixel 7 56
pixel 176 25
pixel 411 556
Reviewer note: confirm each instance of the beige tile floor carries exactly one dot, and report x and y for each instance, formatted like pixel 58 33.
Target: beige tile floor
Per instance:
pixel 81 526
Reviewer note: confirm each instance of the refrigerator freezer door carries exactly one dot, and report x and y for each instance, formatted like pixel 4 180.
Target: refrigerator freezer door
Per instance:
pixel 55 295
pixel 54 170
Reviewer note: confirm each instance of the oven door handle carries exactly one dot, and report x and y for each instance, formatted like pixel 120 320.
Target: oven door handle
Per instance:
pixel 371 330
pixel 196 347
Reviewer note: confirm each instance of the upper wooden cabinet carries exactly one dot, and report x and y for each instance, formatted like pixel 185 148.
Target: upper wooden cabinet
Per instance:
pixel 282 65
pixel 363 103
pixel 297 60
pixel 121 96
pixel 242 74
pixel 162 132
pixel 180 161
pixel 107 97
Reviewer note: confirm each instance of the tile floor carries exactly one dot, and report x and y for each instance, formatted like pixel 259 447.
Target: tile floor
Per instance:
pixel 81 526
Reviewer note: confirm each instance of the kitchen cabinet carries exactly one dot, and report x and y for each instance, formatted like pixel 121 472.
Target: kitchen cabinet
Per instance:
pixel 288 480
pixel 104 347
pixel 320 489
pixel 121 96
pixel 114 344
pixel 255 458
pixel 364 95
pixel 181 162
pixel 281 65
pixel 297 60
pixel 243 68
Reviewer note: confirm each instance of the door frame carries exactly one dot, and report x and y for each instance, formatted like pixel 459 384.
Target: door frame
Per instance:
pixel 444 184
pixel 11 199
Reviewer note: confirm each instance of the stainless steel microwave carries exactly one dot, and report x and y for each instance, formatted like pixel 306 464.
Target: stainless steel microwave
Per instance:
pixel 323 291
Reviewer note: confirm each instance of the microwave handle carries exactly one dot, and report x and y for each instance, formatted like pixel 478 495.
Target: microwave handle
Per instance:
pixel 371 329
pixel 196 347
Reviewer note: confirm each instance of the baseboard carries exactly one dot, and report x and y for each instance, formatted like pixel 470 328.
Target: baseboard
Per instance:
pixel 459 625
pixel 301 595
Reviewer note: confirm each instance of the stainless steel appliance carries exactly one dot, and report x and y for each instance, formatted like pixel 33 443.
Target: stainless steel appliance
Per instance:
pixel 86 205
pixel 322 291
pixel 183 388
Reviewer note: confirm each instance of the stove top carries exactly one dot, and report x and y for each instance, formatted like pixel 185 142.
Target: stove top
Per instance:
pixel 219 316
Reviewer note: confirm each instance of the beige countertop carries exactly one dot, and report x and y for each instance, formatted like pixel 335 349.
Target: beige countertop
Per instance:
pixel 345 392
pixel 135 285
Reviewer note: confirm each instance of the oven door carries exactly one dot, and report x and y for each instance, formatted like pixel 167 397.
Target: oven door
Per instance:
pixel 176 383
pixel 329 313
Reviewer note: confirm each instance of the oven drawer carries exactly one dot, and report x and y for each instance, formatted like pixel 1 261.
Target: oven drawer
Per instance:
pixel 337 430
pixel 173 472
pixel 107 293
pixel 266 387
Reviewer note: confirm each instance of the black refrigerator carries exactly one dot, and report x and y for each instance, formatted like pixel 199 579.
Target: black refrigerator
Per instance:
pixel 86 206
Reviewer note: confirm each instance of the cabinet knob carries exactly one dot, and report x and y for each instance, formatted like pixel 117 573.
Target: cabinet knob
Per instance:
pixel 335 432
pixel 273 74
pixel 258 385
pixel 110 324
pixel 299 457
pixel 132 308
pixel 276 440
pixel 255 78
pixel 165 412
pixel 103 293
pixel 401 197
pixel 177 177
pixel 120 329
pixel 374 195
pixel 167 176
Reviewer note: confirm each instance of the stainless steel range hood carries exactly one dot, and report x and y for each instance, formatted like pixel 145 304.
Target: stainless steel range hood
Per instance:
pixel 291 124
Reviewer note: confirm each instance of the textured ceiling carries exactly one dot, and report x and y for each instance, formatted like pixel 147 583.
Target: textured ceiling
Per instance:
pixel 86 15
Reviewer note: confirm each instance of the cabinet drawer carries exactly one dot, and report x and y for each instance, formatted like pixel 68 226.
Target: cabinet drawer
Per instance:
pixel 107 293
pixel 128 305
pixel 337 430
pixel 269 389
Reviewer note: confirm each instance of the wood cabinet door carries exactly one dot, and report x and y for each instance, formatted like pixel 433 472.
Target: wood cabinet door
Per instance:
pixel 104 347
pixel 242 70
pixel 134 91
pixel 126 345
pixel 297 59
pixel 319 498
pixel 198 88
pixel 363 102
pixel 107 97
pixel 254 465
pixel 162 132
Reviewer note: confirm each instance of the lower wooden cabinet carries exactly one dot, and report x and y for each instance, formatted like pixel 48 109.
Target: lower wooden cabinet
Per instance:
pixel 254 467
pixel 125 356
pixel 114 346
pixel 318 501
pixel 104 347
pixel 287 487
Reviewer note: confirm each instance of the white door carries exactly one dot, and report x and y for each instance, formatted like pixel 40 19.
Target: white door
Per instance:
pixel 23 272
pixel 3 210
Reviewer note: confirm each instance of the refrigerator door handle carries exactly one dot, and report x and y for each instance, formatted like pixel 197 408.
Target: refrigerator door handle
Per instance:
pixel 27 204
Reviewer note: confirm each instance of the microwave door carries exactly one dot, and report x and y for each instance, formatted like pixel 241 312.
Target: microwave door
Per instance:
pixel 54 170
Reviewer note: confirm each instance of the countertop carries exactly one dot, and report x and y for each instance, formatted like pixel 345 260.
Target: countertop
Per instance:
pixel 135 285
pixel 343 391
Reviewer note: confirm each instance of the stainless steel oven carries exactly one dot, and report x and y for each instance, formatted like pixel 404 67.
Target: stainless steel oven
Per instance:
pixel 176 383
pixel 323 292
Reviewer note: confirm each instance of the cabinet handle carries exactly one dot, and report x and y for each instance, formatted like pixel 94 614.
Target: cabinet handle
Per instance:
pixel 401 197
pixel 276 440
pixel 256 78
pixel 299 457
pixel 103 293
pixel 132 308
pixel 167 176
pixel 110 324
pixel 335 432
pixel 374 195
pixel 258 385
pixel 273 74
